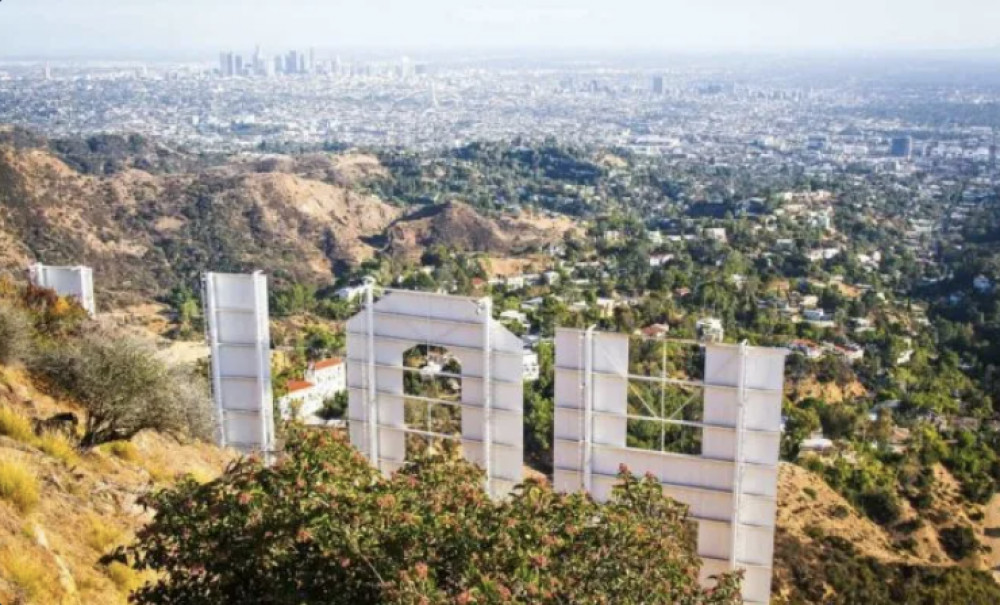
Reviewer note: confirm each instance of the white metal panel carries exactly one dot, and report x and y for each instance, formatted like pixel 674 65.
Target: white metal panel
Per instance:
pixel 730 488
pixel 239 337
pixel 402 320
pixel 765 366
pixel 74 282
pixel 758 448
pixel 611 353
pixel 763 408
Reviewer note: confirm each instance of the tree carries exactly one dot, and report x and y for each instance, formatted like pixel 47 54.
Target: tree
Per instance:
pixel 334 408
pixel 125 389
pixel 959 541
pixel 323 526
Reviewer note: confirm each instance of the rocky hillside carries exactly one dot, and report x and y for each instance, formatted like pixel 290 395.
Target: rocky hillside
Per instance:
pixel 149 222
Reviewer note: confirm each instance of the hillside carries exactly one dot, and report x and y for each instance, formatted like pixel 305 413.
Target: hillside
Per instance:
pixel 827 551
pixel 85 502
pixel 458 226
pixel 146 226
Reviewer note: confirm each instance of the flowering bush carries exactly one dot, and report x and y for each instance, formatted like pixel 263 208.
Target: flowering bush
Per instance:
pixel 322 526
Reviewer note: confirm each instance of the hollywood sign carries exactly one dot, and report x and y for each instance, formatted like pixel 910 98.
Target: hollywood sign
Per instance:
pixel 74 282
pixel 425 368
pixel 730 486
pixel 238 333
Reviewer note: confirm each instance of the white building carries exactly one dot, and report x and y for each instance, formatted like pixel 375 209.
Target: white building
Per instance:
pixel 323 380
pixel 658 260
pixel 716 233
pixel 710 329
pixel 816 443
pixel 531 367
pixel 515 317
pixel 349 293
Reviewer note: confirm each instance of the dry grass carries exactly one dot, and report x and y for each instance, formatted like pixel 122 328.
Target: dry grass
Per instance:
pixel 100 536
pixel 30 574
pixel 202 475
pixel 158 471
pixel 59 447
pixel 18 486
pixel 15 425
pixel 124 577
pixel 123 450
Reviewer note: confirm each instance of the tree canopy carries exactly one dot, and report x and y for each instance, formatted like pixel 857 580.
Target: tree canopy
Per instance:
pixel 323 526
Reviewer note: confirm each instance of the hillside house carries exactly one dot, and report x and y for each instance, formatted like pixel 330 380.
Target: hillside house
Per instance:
pixel 323 379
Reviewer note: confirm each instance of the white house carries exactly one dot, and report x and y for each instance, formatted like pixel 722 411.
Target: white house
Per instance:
pixel 658 260
pixel 515 282
pixel 816 442
pixel 655 331
pixel 531 368
pixel 349 293
pixel 323 379
pixel 808 348
pixel 710 329
pixel 715 233
pixel 814 315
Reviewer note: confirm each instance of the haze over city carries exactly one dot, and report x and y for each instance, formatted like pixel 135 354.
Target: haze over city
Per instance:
pixel 145 28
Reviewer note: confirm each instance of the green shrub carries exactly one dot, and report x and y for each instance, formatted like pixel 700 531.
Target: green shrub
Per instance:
pixel 338 531
pixel 126 389
pixel 334 408
pixel 840 512
pixel 832 572
pixel 959 541
pixel 881 505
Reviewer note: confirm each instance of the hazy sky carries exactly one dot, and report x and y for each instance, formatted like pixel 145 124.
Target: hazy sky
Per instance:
pixel 55 27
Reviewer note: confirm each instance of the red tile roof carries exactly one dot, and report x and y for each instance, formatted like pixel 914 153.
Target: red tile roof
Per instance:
pixel 299 385
pixel 327 363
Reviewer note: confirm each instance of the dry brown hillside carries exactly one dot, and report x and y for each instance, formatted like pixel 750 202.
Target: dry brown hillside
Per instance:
pixel 458 226
pixel 300 218
pixel 142 231
pixel 73 506
pixel 810 513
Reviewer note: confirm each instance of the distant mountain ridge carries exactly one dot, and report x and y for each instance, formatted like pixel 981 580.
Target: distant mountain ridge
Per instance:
pixel 147 217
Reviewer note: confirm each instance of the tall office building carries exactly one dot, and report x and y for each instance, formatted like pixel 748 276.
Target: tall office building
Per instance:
pixel 312 61
pixel 658 85
pixel 902 147
pixel 238 65
pixel 278 65
pixel 258 62
pixel 227 66
pixel 292 62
